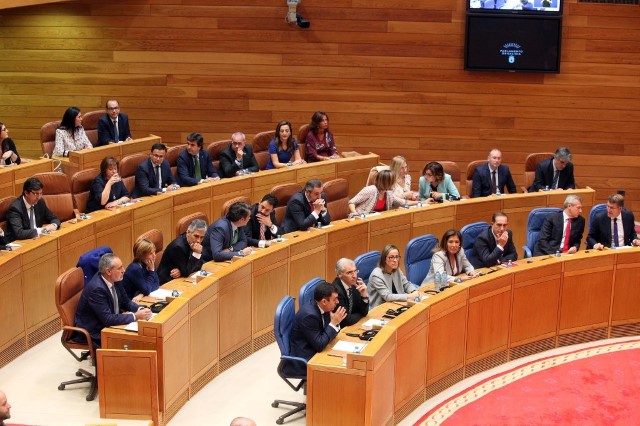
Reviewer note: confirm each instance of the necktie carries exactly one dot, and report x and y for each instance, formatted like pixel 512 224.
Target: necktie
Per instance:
pixel 32 218
pixel 263 228
pixel 616 241
pixel 196 161
pixel 567 234
pixel 158 177
pixel 350 294
pixel 115 126
pixel 494 184
pixel 556 176
pixel 116 307
pixel 234 239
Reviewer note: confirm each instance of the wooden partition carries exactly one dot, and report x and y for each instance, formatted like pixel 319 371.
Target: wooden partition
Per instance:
pixel 12 177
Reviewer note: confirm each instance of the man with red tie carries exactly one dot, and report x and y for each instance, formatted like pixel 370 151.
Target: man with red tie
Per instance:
pixel 562 231
pixel 262 226
pixel 613 228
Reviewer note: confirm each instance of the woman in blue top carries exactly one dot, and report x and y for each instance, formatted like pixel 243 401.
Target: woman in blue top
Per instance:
pixel 434 183
pixel 141 277
pixel 283 149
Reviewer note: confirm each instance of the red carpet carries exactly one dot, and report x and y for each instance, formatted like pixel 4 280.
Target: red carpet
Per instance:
pixel 595 386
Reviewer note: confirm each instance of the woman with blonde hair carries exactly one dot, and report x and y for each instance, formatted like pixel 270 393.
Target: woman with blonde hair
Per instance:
pixel 377 197
pixel 141 277
pixel 402 186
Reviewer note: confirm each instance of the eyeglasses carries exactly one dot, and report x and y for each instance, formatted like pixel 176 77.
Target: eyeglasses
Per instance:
pixel 113 108
pixel 236 143
pixel 37 194
pixel 429 174
pixel 354 272
pixel 397 257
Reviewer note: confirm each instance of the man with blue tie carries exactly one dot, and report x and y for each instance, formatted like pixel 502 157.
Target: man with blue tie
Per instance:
pixel 225 238
pixel 555 172
pixel 113 127
pixel 493 177
pixel 154 174
pixel 613 228
pixel 194 163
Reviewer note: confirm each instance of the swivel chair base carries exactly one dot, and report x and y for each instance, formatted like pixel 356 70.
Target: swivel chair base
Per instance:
pixel 86 377
pixel 298 407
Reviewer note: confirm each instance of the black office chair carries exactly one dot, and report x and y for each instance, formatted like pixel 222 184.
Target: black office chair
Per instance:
pixel 283 322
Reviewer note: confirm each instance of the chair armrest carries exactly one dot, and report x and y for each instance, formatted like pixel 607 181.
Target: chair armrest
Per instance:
pixel 294 358
pixel 527 252
pixel 86 335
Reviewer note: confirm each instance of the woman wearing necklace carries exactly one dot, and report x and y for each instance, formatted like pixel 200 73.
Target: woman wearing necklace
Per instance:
pixel 435 183
pixel 319 141
pixel 450 259
pixel 400 171
pixel 387 283
pixel 70 135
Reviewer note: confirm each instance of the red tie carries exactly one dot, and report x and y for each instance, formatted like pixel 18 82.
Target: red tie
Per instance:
pixel 567 233
pixel 262 231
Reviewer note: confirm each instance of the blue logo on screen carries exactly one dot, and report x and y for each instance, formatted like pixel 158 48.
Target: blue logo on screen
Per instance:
pixel 511 51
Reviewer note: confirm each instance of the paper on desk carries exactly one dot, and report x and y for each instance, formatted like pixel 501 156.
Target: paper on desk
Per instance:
pixel 373 322
pixel 325 226
pixel 14 245
pixel 161 293
pixel 621 247
pixel 133 326
pixel 346 346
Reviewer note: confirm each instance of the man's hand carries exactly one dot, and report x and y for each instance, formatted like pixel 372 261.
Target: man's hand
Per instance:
pixel 318 205
pixel 239 154
pixel 246 251
pixel 50 227
pixel 503 239
pixel 196 247
pixel 266 220
pixel 175 273
pixel 143 314
pixel 598 246
pixel 572 250
pixel 338 316
pixel 362 288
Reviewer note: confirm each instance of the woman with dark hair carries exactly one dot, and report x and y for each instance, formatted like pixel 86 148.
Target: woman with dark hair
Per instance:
pixel 434 183
pixel 283 149
pixel 70 135
pixel 141 277
pixel 9 151
pixel 387 283
pixel 377 197
pixel 449 258
pixel 107 189
pixel 319 141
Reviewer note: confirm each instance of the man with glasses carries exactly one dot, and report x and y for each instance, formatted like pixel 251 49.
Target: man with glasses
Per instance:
pixel 352 292
pixel 555 172
pixel 28 216
pixel 154 174
pixel 237 159
pixel 614 227
pixel 113 127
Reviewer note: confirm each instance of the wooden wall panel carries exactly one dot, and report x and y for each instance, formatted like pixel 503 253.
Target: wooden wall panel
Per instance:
pixel 389 75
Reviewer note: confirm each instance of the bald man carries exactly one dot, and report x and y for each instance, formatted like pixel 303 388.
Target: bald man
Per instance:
pixel 242 421
pixel 5 409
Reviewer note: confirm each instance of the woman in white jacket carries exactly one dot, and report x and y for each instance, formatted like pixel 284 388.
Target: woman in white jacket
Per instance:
pixel 377 197
pixel 450 258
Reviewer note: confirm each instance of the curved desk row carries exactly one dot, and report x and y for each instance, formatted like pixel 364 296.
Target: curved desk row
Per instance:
pixel 229 314
pixel 12 177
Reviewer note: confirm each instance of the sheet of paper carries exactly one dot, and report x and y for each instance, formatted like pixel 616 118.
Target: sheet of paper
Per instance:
pixel 161 293
pixel 346 346
pixel 133 326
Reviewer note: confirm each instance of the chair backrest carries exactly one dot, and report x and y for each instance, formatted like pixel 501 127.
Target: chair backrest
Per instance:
pixel 469 234
pixel 185 221
pixel 373 173
pixel 307 290
pixel 337 192
pixel 471 169
pixel 452 168
pixel 530 164
pixel 89 261
pixel 283 193
pixel 69 288
pixel 172 157
pixel 48 137
pixel 534 226
pixel 366 263
pixel 283 322
pixel 418 256
pixel 215 148
pixel 81 186
pixel 227 204
pixel 302 137
pixel 594 212
pixel 5 203
pixel 260 145
pixel 128 167
pixel 90 124
pixel 155 236
pixel 56 192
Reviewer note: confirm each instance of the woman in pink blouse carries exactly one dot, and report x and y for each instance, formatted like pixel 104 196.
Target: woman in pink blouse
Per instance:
pixel 70 135
pixel 320 143
pixel 377 197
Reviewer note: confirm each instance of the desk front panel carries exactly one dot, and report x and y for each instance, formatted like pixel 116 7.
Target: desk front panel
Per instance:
pixel 434 219
pixel 11 303
pixel 114 230
pixel 39 273
pixel 191 200
pixel 348 239
pixel 74 239
pixel 307 259
pixel 356 171
pixel 204 328
pixel 147 216
pixel 626 291
pixel 27 169
pixel 270 282
pixel 227 189
pixel 235 307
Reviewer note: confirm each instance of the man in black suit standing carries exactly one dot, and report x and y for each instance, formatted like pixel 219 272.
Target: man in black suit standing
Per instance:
pixel 194 163
pixel 183 256
pixel 615 227
pixel 225 238
pixel 262 226
pixel 315 325
pixel 28 216
pixel 352 292
pixel 113 127
pixel 306 208
pixel 493 177
pixel 237 159
pixel 104 302
pixel 555 172
pixel 562 231
pixel 154 174
pixel 495 245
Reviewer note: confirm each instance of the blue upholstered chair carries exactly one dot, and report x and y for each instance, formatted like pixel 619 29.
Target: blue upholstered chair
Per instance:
pixel 594 212
pixel 89 261
pixel 282 325
pixel 534 226
pixel 307 290
pixel 418 257
pixel 366 263
pixel 469 234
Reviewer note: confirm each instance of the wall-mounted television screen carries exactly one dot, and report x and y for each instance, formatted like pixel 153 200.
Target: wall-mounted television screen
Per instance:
pixel 513 43
pixel 543 7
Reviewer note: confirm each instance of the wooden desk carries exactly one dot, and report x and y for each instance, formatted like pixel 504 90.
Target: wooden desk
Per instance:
pixel 12 177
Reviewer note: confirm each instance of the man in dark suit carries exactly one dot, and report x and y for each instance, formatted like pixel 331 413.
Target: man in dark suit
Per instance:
pixel 237 159
pixel 315 325
pixel 306 208
pixel 113 127
pixel 493 177
pixel 28 216
pixel 495 245
pixel 352 292
pixel 225 238
pixel 262 226
pixel 194 163
pixel 555 172
pixel 104 302
pixel 183 256
pixel 154 174
pixel 615 226
pixel 553 236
